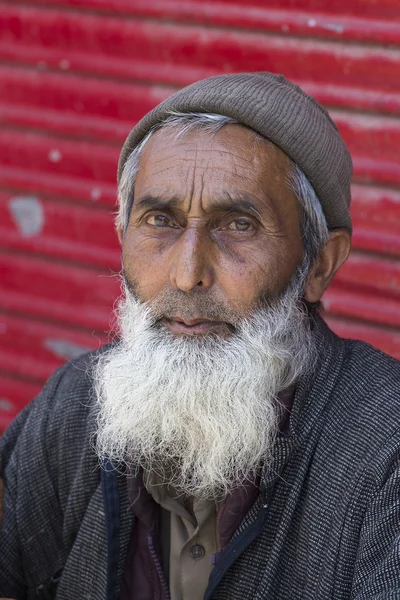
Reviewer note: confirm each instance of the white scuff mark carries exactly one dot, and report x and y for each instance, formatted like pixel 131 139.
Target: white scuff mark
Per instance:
pixel 64 64
pixel 95 194
pixel 336 27
pixel 27 214
pixel 7 405
pixel 55 155
pixel 311 22
pixel 64 349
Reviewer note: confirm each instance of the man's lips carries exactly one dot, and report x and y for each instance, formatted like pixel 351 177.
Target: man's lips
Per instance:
pixel 193 326
pixel 191 322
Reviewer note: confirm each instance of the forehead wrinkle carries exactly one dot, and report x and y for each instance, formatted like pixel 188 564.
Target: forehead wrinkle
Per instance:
pixel 193 153
pixel 164 170
pixel 195 157
pixel 196 152
pixel 264 200
pixel 231 169
pixel 214 156
pixel 193 182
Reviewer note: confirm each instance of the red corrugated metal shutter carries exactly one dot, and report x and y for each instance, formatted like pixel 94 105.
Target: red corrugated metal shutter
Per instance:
pixel 76 74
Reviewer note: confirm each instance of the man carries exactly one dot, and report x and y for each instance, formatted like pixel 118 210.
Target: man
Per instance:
pixel 229 446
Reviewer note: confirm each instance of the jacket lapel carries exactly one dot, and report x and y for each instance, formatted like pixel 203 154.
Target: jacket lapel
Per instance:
pixel 312 394
pixel 84 574
pixel 118 521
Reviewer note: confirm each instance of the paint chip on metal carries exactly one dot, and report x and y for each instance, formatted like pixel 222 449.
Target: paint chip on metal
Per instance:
pixel 28 215
pixel 95 194
pixel 64 349
pixel 336 27
pixel 312 23
pixel 7 405
pixel 55 156
pixel 64 64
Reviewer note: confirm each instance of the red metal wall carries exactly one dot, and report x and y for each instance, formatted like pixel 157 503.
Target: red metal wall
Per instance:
pixel 74 77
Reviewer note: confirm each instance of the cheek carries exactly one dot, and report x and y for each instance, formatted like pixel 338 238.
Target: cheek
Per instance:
pixel 242 281
pixel 144 264
pixel 253 271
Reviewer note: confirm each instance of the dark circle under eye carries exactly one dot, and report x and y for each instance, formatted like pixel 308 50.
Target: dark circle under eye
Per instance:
pixel 239 225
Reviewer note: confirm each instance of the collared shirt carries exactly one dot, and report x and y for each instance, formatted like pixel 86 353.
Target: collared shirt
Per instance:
pixel 193 541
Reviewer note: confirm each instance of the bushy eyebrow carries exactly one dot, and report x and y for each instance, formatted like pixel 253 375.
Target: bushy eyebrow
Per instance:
pixel 228 205
pixel 237 205
pixel 156 202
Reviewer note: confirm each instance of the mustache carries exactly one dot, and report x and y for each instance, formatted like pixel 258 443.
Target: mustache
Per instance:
pixel 195 304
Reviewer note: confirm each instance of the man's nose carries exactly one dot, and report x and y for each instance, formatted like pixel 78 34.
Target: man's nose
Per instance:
pixel 191 260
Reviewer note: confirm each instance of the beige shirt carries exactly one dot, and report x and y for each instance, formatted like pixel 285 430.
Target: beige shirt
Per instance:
pixel 193 540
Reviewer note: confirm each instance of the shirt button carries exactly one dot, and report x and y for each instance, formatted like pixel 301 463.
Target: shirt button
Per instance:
pixel 197 552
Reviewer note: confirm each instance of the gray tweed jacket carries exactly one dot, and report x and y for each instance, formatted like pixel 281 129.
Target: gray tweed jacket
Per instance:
pixel 326 525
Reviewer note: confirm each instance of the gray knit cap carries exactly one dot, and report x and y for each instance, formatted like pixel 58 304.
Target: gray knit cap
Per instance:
pixel 280 111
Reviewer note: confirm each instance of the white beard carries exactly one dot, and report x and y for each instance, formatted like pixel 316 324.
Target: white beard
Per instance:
pixel 200 412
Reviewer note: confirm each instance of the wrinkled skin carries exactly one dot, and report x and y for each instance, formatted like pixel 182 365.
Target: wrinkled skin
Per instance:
pixel 214 223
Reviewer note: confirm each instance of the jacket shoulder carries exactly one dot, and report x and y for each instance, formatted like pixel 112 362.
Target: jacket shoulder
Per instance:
pixel 371 369
pixel 59 420
pixel 50 472
pixel 364 409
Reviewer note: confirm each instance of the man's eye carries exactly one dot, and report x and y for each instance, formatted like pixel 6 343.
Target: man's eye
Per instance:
pixel 159 221
pixel 239 225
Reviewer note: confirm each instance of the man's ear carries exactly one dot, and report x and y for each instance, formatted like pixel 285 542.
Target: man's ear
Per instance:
pixel 328 262
pixel 120 234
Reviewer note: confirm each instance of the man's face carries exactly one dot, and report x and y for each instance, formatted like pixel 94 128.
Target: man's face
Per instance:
pixel 214 228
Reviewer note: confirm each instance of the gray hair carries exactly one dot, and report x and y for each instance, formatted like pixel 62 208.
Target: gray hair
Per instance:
pixel 313 225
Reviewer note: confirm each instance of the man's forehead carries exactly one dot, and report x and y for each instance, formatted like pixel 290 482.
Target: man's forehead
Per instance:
pixel 231 140
pixel 233 153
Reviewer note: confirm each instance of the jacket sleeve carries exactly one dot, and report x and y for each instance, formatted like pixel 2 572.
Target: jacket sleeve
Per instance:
pixel 25 435
pixel 377 573
pixel 11 574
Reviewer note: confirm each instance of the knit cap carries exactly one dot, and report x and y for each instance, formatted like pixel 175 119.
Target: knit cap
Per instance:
pixel 280 111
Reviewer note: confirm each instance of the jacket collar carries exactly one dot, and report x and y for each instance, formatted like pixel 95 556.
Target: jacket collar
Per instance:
pixel 312 394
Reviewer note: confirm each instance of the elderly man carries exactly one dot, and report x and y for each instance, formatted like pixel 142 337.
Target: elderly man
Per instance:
pixel 229 445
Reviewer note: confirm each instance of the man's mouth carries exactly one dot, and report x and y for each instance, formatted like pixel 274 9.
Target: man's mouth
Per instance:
pixel 196 326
